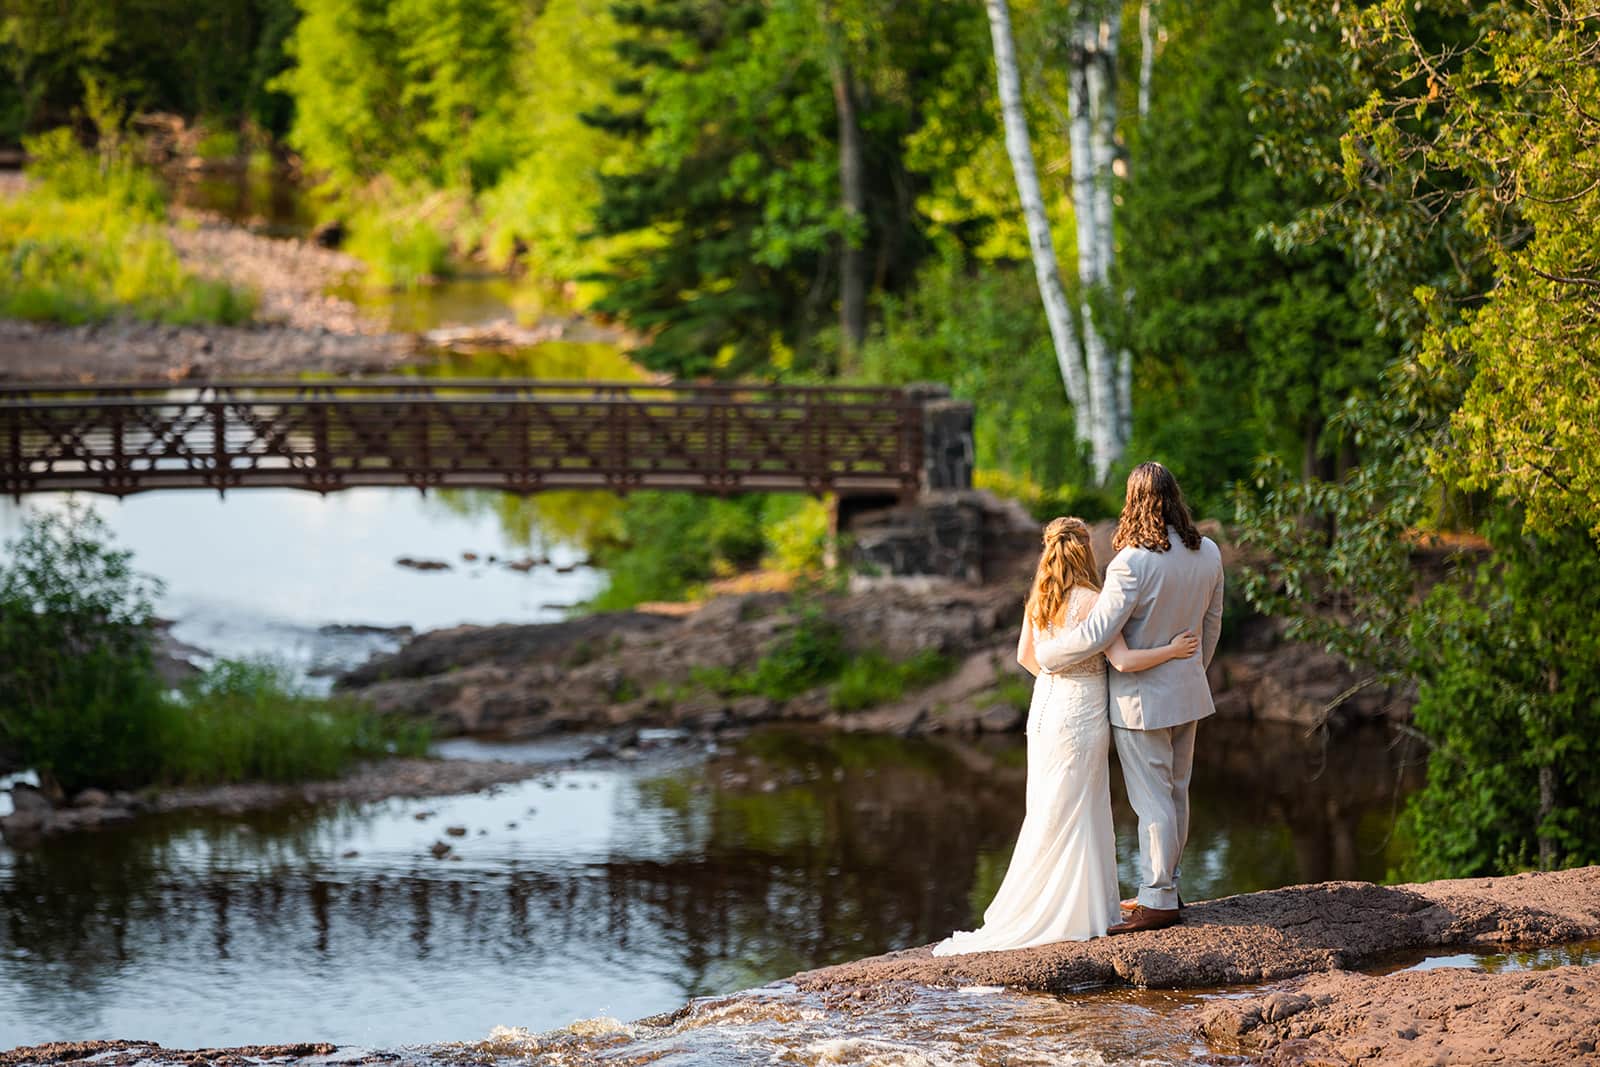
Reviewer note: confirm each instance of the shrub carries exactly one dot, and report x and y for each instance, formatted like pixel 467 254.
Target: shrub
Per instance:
pixel 80 700
pixel 872 679
pixel 248 720
pixel 796 533
pixel 810 654
pixel 669 544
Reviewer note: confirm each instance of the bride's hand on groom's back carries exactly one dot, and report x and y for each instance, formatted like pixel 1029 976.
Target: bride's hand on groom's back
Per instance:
pixel 1184 645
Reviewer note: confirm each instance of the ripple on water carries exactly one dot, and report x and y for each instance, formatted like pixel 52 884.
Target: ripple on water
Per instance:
pixel 981 1026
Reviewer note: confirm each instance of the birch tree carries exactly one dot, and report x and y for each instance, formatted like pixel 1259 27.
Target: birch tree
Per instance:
pixel 1098 380
pixel 1069 354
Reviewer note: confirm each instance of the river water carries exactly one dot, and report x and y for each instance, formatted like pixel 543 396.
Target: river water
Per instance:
pixel 618 889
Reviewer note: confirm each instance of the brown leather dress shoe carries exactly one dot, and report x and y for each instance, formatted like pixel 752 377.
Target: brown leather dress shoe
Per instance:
pixel 1133 902
pixel 1143 918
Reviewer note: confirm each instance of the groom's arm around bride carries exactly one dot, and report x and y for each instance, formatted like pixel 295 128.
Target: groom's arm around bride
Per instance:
pixel 1165 579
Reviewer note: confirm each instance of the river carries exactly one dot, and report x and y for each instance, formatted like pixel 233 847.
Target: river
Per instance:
pixel 617 889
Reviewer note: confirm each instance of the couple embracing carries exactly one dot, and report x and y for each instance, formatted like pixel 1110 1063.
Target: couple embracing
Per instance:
pixel 1163 587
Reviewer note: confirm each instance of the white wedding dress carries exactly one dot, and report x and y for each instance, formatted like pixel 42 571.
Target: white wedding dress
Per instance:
pixel 1062 882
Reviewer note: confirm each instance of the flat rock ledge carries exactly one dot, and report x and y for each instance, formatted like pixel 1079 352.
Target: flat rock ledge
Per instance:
pixel 144 1053
pixel 1264 937
pixel 1416 1019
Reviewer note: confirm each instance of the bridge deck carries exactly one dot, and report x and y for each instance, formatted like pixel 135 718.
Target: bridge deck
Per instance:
pixel 516 435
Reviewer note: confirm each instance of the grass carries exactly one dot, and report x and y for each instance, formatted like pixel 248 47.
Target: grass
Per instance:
pixel 874 679
pixel 86 243
pixel 1012 689
pixel 813 654
pixel 247 721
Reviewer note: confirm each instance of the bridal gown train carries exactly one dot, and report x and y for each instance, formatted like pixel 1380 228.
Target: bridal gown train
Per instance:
pixel 1062 882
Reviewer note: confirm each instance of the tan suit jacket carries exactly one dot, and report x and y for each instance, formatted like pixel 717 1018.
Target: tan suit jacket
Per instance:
pixel 1150 598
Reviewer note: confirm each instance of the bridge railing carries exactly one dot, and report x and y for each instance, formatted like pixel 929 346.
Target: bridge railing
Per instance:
pixel 515 435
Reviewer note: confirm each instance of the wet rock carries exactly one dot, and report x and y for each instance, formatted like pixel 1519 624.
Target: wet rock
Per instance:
pixel 440 850
pixel 29 801
pixel 456 831
pixel 1001 719
pixel 1263 937
pixel 91 798
pixel 422 564
pixel 1443 1015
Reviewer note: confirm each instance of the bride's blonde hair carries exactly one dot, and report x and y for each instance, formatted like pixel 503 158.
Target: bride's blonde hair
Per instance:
pixel 1067 560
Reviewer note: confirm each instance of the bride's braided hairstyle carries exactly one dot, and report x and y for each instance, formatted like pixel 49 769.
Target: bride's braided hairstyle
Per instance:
pixel 1067 560
pixel 1154 503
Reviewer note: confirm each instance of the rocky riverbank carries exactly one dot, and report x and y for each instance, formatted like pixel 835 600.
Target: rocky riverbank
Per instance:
pixel 1299 940
pixel 300 326
pixel 1417 1019
pixel 1333 1016
pixel 36 815
pixel 673 668
pixel 1268 936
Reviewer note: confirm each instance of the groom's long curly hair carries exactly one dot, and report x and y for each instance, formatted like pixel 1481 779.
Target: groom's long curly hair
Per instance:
pixel 1154 502
pixel 1067 560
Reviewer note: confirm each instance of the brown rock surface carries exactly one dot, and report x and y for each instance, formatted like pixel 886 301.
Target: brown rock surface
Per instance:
pixel 1260 937
pixel 1417 1018
pixel 631 667
pixel 133 1053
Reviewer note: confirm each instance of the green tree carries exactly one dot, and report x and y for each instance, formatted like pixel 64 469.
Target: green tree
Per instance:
pixel 198 58
pixel 1496 134
pixel 735 188
pixel 1508 665
pixel 417 91
pixel 1432 107
pixel 1243 346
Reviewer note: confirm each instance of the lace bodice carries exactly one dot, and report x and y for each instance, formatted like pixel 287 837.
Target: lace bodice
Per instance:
pixel 1078 602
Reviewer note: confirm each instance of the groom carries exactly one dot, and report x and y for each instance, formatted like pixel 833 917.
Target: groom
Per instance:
pixel 1165 579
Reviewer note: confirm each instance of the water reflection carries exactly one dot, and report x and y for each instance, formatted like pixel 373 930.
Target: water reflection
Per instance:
pixel 618 889
pixel 265 200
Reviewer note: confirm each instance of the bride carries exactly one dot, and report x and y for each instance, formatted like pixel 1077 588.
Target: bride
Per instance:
pixel 1062 883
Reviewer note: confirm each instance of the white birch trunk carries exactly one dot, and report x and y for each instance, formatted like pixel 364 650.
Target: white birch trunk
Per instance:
pixel 1147 54
pixel 1092 116
pixel 1069 355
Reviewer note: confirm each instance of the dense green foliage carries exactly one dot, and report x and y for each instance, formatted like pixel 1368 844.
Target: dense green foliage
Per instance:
pixel 86 242
pixel 1487 391
pixel 79 697
pixel 1509 667
pixel 80 700
pixel 667 546
pixel 211 58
